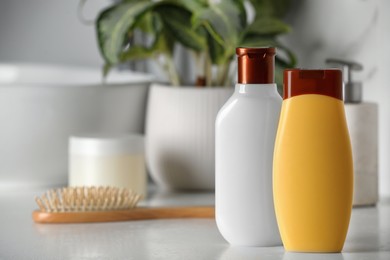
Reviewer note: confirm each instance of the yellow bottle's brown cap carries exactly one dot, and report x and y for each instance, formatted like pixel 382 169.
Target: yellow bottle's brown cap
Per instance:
pixel 255 65
pixel 328 82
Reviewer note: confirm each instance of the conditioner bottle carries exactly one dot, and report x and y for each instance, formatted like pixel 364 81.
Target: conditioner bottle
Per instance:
pixel 313 173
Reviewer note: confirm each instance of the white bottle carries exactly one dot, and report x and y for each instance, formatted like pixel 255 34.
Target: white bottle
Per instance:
pixel 245 134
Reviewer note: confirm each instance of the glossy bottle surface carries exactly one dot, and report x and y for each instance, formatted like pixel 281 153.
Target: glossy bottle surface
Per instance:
pixel 313 174
pixel 245 135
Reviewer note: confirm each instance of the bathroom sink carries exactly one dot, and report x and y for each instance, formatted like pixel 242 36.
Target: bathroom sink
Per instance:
pixel 42 105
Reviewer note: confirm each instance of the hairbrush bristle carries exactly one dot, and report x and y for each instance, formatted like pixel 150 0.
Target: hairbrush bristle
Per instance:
pixel 74 199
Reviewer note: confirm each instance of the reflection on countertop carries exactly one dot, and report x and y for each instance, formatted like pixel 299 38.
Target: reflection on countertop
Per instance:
pixel 368 237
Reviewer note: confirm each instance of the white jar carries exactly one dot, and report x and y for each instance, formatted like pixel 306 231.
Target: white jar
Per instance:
pixel 103 160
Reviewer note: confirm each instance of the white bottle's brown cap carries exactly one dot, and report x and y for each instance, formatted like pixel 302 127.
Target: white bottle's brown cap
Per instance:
pixel 255 65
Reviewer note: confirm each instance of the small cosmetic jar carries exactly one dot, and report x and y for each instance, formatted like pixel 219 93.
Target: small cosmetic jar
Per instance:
pixel 108 160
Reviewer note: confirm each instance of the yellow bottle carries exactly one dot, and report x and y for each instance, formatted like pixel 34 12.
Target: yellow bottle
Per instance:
pixel 312 171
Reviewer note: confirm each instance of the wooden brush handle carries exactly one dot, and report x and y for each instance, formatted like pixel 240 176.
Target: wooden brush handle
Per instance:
pixel 123 215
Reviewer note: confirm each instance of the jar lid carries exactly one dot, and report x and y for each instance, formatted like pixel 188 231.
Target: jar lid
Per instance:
pixel 105 144
pixel 328 82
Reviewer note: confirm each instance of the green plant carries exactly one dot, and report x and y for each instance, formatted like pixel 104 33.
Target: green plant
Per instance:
pixel 210 29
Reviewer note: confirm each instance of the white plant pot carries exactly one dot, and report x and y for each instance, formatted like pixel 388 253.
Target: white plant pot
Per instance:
pixel 180 135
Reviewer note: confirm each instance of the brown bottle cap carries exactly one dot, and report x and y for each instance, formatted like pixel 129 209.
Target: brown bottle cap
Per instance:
pixel 255 65
pixel 327 82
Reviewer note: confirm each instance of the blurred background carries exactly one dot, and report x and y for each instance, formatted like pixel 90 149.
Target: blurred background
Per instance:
pixel 49 32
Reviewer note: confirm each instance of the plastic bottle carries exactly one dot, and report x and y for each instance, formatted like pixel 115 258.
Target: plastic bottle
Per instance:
pixel 245 134
pixel 313 172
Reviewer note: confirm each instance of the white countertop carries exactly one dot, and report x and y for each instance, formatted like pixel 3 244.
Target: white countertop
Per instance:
pixel 21 238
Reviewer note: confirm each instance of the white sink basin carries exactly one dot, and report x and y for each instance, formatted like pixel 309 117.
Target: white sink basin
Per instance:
pixel 42 105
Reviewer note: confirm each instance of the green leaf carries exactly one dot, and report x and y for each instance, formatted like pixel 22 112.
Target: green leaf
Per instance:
pixel 279 78
pixel 242 13
pixel 224 20
pixel 161 44
pixel 254 40
pixel 282 64
pixel 289 61
pixel 271 8
pixel 113 25
pixel 146 23
pixel 177 20
pixel 268 26
pixel 194 5
pixel 216 51
pixel 106 69
pixel 137 53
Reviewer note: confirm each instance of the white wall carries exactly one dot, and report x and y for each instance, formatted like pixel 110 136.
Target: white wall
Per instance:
pixel 48 31
pixel 353 30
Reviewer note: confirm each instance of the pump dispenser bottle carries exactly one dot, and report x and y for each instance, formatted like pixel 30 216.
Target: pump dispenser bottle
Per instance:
pixel 313 172
pixel 362 118
pixel 245 134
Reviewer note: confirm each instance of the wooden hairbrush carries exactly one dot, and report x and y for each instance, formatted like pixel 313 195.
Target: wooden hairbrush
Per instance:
pixel 105 204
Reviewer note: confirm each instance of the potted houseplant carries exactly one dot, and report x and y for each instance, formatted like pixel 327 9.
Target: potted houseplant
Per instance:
pixel 180 121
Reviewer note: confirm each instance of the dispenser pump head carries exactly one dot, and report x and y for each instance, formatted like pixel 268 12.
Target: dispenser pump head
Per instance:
pixel 255 65
pixel 353 91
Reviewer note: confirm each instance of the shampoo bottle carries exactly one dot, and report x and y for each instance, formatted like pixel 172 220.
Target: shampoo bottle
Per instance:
pixel 313 172
pixel 245 134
